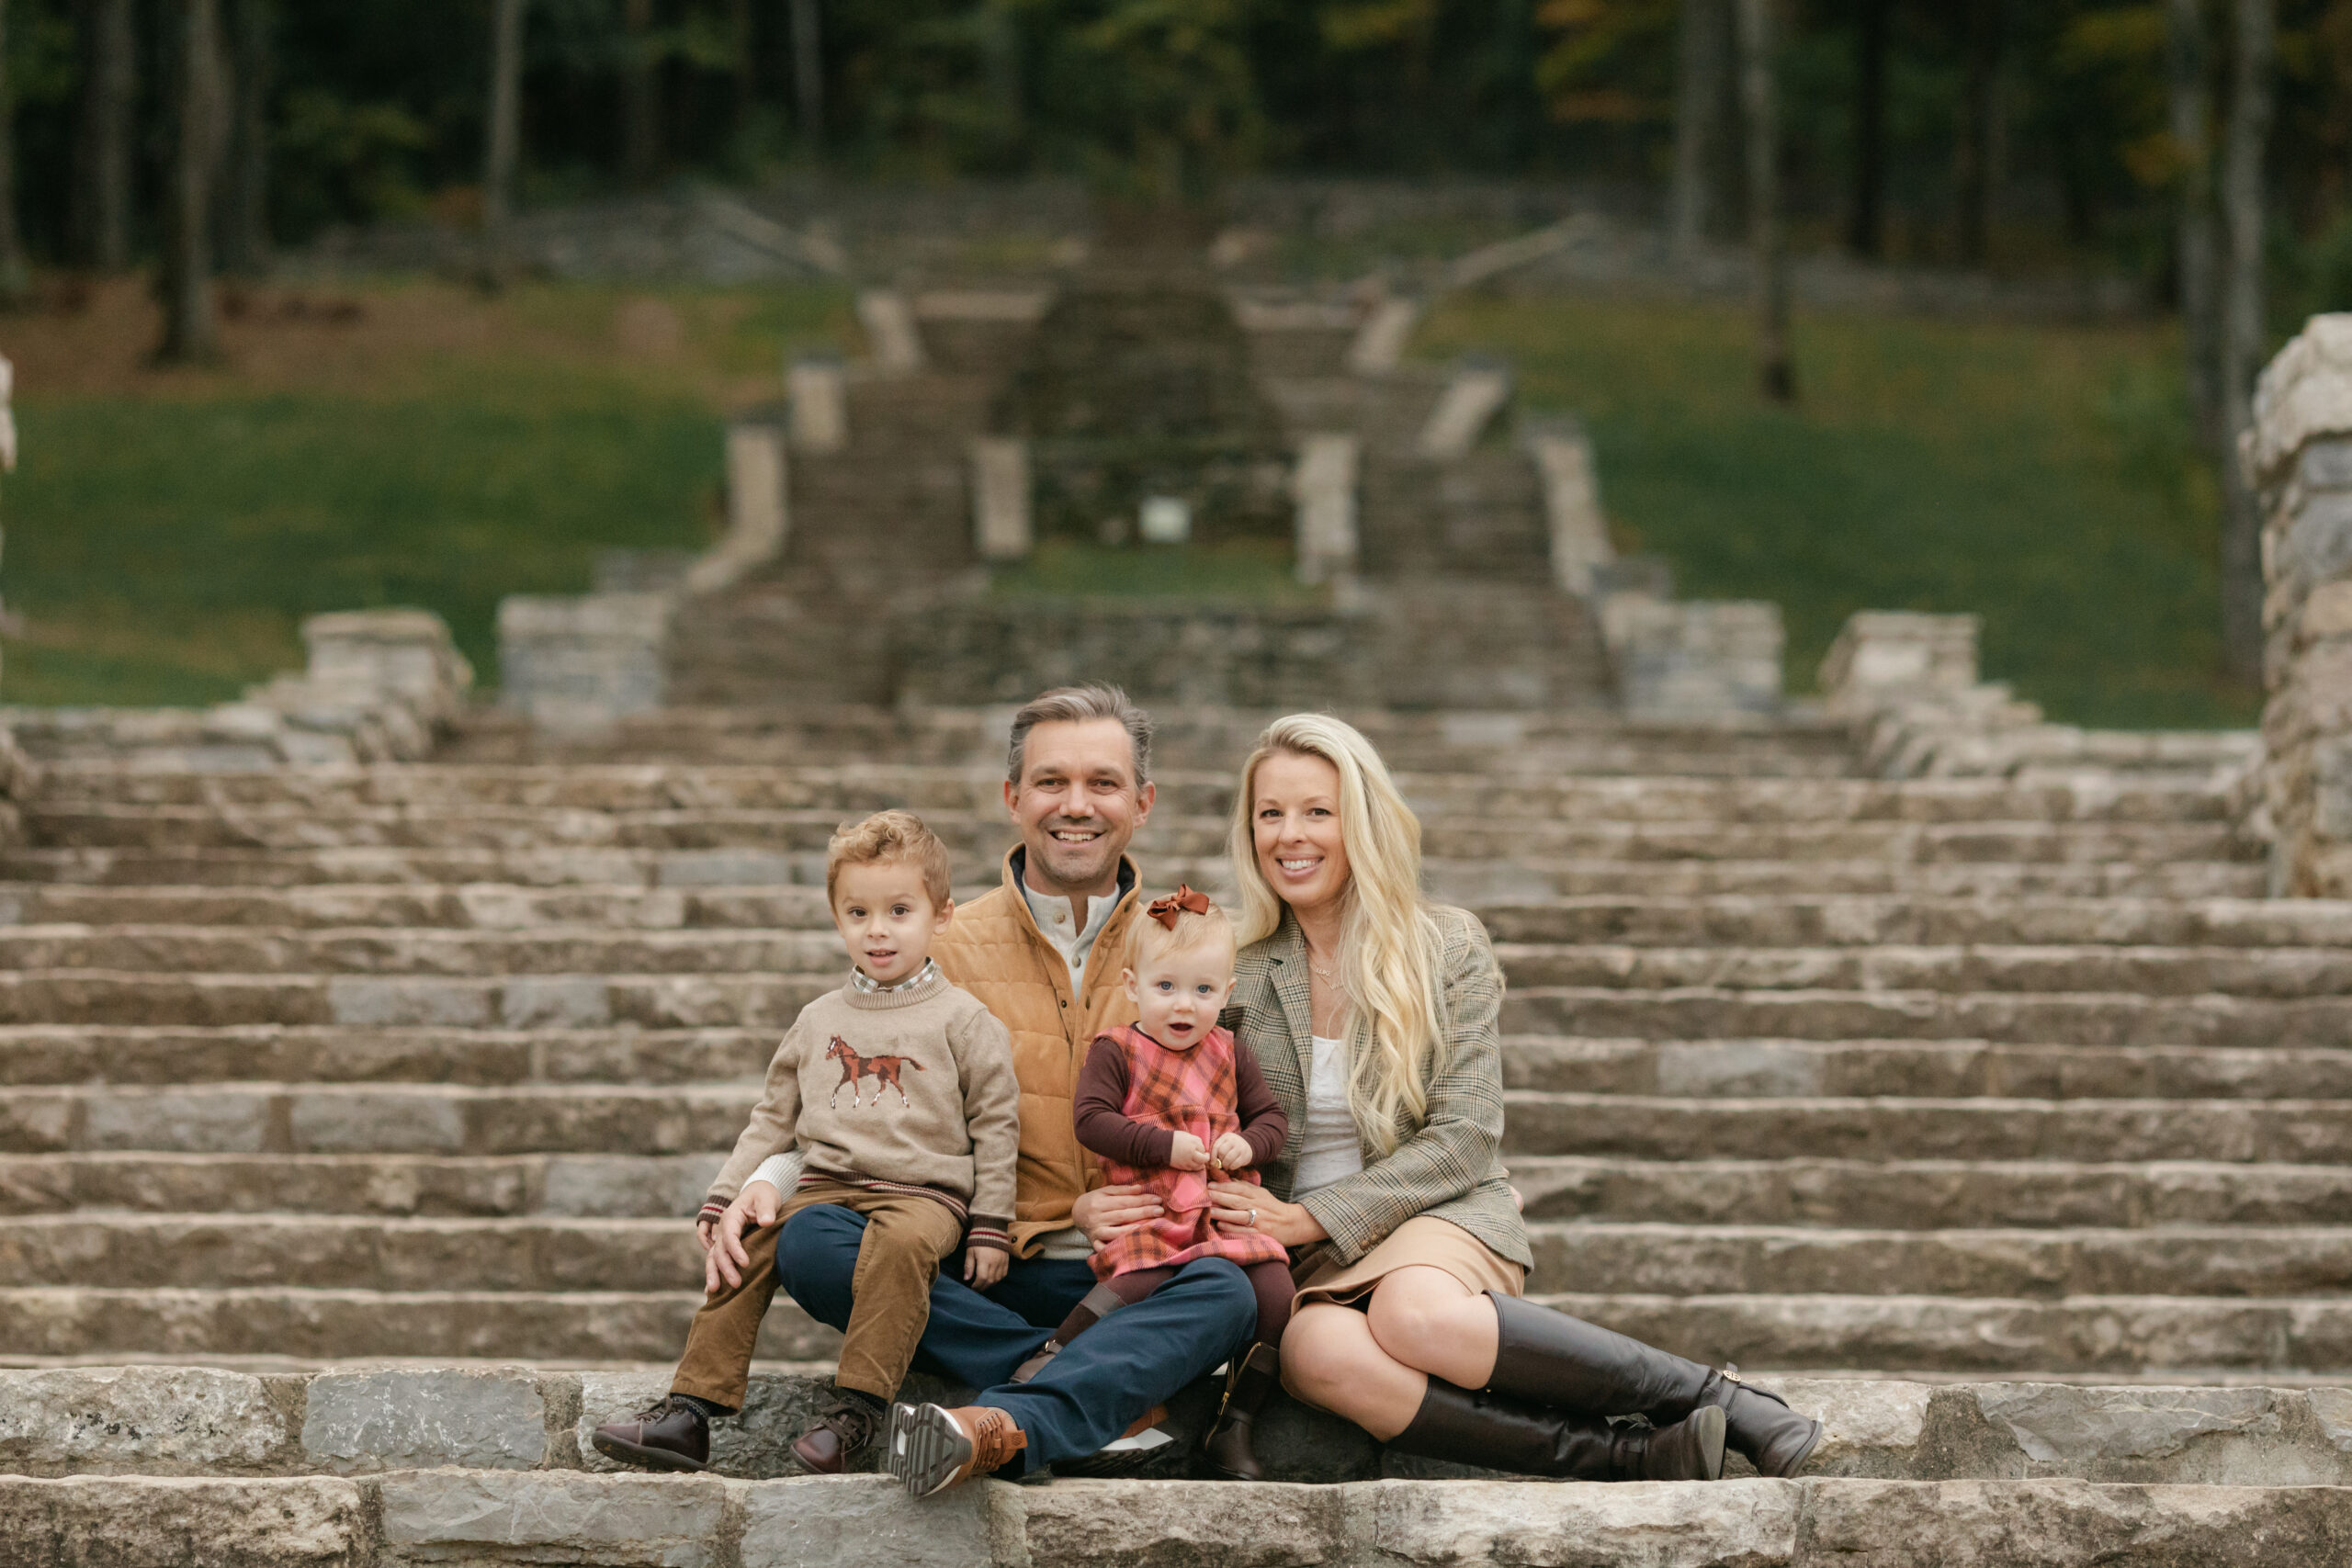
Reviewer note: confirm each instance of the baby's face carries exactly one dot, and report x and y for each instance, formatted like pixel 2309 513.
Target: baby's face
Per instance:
pixel 886 917
pixel 1178 994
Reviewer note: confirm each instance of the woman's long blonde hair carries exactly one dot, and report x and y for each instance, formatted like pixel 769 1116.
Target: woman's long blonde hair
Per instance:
pixel 1388 943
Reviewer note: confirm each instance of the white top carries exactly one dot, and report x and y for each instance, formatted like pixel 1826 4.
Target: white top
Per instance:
pixel 1059 927
pixel 780 1171
pixel 1330 1150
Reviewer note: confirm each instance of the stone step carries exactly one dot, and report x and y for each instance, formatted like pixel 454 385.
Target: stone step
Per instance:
pixel 578 953
pixel 1705 1013
pixel 2158 1337
pixel 1521 879
pixel 1890 1194
pixel 322 1325
pixel 421 1118
pixel 564 1253
pixel 868 787
pixel 2281 973
pixel 1662 919
pixel 983 835
pixel 164 1054
pixel 1637 1127
pixel 482 1516
pixel 250 1117
pixel 65 1054
pixel 1918 1069
pixel 510 1422
pixel 608 1186
pixel 595 1001
pixel 1671 921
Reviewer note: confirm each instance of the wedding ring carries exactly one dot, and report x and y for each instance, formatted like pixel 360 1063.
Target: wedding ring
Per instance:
pixel 1253 1219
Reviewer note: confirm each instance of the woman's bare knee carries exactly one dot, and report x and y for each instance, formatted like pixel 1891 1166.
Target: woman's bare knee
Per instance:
pixel 1315 1353
pixel 1428 1320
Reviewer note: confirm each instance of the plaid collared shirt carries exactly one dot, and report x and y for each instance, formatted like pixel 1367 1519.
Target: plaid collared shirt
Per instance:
pixel 1450 1165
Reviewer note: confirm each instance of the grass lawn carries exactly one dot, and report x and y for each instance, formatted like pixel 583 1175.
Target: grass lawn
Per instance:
pixel 2039 476
pixel 167 531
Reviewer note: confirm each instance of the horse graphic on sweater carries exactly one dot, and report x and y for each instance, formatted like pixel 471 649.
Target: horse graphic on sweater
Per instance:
pixel 882 1069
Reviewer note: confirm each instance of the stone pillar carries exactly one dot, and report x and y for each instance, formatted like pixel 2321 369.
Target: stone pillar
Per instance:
pixel 404 654
pixel 1324 486
pixel 577 663
pixel 2298 457
pixel 759 517
pixel 1001 521
pixel 1884 658
pixel 819 395
pixel 1693 657
pixel 890 331
pixel 1379 344
pixel 1579 533
pixel 1475 396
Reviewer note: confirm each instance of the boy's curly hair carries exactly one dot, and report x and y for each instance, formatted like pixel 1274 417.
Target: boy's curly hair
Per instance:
pixel 891 835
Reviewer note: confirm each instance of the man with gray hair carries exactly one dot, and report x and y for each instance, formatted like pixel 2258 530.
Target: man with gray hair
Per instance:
pixel 1040 951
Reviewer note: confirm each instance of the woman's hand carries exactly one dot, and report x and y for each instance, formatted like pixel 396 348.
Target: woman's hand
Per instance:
pixel 1243 1208
pixel 723 1257
pixel 1109 1213
pixel 1186 1152
pixel 1232 1152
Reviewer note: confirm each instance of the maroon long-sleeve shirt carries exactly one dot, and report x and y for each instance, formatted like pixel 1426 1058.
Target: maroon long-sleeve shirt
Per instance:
pixel 1104 1127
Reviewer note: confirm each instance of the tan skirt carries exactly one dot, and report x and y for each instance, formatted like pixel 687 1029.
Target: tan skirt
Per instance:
pixel 1424 1242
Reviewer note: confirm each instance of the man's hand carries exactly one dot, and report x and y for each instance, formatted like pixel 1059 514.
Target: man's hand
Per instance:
pixel 1232 1152
pixel 985 1266
pixel 1108 1213
pixel 1188 1153
pixel 723 1257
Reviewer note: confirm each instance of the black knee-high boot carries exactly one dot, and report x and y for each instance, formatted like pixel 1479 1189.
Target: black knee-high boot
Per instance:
pixel 1552 1358
pixel 1500 1433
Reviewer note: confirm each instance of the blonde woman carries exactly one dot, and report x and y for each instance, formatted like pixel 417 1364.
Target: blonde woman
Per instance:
pixel 1374 1016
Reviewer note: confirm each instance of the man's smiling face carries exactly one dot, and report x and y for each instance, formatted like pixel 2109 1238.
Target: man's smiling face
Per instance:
pixel 1078 804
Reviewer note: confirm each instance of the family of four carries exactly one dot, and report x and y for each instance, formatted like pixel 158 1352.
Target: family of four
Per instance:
pixel 1161 1138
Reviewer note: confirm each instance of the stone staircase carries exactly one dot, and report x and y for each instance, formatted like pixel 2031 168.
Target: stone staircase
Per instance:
pixel 349 1118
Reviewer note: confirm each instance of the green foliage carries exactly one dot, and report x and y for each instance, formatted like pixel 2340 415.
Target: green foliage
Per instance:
pixel 2040 477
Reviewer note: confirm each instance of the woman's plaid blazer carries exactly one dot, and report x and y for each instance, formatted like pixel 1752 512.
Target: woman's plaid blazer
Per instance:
pixel 1450 1165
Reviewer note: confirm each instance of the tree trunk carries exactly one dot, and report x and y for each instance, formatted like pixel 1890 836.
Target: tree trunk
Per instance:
pixel 190 332
pixel 2244 331
pixel 740 38
pixel 641 97
pixel 1866 222
pixel 2191 115
pixel 1001 64
pixel 1702 63
pixel 99 215
pixel 503 138
pixel 808 75
pixel 16 276
pixel 1776 370
pixel 245 208
pixel 1975 177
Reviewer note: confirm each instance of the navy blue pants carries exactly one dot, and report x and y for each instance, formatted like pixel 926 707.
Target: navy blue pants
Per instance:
pixel 1089 1394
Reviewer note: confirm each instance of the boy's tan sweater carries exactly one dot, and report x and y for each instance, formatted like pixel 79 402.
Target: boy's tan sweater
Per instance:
pixel 910 1088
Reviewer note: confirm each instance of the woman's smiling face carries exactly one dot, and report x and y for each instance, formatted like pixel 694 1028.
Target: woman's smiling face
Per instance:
pixel 1295 820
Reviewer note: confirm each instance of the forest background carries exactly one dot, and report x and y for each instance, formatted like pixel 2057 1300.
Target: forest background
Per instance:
pixel 2196 149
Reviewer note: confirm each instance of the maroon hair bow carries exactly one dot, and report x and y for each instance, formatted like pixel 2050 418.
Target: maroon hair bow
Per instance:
pixel 1184 900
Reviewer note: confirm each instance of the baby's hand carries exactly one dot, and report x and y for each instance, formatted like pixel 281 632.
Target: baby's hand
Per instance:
pixel 985 1266
pixel 1188 1153
pixel 1232 1152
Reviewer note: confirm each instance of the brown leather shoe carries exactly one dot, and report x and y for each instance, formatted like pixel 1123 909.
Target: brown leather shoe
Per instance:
pixel 843 1436
pixel 672 1435
pixel 933 1447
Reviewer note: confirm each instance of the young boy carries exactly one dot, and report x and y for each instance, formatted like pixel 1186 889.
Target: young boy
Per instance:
pixel 897 1092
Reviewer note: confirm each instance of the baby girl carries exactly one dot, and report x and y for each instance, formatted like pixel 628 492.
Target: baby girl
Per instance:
pixel 1168 1102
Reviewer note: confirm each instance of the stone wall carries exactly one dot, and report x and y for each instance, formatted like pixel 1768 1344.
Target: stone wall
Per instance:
pixel 2298 457
pixel 379 686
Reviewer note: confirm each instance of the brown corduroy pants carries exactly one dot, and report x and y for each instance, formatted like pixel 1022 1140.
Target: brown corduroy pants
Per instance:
pixel 906 1237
